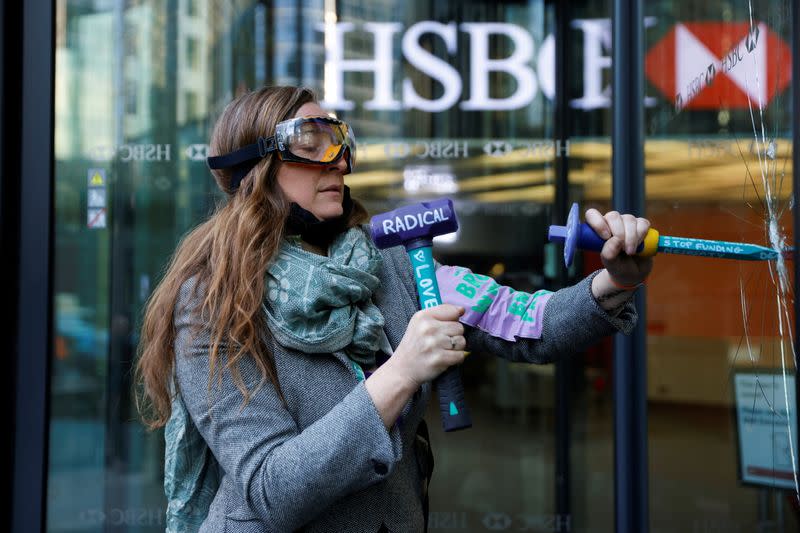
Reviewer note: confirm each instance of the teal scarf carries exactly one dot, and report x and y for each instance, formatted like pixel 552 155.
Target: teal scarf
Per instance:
pixel 191 473
pixel 321 305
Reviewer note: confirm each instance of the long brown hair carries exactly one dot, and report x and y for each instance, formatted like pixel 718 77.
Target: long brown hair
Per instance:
pixel 228 255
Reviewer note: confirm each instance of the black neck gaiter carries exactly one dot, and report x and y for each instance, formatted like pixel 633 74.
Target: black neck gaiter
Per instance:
pixel 318 232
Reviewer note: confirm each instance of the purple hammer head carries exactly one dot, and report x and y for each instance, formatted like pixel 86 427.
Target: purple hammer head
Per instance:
pixel 422 221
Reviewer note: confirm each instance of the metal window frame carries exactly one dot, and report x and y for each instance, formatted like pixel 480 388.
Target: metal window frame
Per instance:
pixel 563 367
pixel 628 194
pixel 27 164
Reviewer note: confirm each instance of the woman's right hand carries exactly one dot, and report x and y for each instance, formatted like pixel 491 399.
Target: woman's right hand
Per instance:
pixel 426 349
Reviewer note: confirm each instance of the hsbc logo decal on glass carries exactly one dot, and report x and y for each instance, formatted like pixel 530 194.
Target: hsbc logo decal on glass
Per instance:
pixel 693 64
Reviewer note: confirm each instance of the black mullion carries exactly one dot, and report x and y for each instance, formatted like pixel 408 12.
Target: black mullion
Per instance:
pixel 28 161
pixel 629 367
pixel 564 367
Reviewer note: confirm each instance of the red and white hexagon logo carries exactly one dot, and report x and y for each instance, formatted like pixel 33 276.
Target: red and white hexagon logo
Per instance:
pixel 713 65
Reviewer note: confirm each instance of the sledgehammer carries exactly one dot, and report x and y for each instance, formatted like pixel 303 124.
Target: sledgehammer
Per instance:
pixel 414 227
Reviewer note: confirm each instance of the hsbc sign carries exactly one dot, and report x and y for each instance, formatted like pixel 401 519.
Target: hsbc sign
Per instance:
pixel 382 65
pixel 705 65
pixel 518 65
pixel 531 64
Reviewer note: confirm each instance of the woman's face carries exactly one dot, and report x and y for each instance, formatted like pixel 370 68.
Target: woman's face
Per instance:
pixel 316 188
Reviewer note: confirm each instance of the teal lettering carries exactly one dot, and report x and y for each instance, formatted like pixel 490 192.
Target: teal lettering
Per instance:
pixel 466 290
pixel 470 278
pixel 493 288
pixel 481 278
pixel 519 305
pixel 529 316
pixel 483 304
pixel 516 309
pixel 522 297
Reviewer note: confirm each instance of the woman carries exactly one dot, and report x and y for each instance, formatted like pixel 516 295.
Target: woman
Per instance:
pixel 261 348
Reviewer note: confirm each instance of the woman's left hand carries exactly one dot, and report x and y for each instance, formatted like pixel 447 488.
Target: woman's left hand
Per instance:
pixel 623 234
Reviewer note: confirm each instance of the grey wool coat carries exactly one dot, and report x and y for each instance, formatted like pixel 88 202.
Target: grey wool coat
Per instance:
pixel 325 462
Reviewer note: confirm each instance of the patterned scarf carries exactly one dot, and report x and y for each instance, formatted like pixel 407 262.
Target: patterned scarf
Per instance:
pixel 319 304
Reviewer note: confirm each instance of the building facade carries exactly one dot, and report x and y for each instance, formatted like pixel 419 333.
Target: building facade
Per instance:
pixel 506 107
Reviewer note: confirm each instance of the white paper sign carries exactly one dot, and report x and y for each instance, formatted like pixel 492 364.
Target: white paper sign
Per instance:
pixel 764 427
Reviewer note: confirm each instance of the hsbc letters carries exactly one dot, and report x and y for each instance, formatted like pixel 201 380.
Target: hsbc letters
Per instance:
pixel 516 65
pixel 597 42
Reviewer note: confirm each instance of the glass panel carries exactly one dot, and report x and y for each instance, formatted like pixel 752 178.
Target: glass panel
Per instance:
pixel 138 87
pixel 718 164
pixel 590 393
pixel 129 143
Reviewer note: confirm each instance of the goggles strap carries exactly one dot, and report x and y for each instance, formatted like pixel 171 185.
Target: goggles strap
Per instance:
pixel 318 232
pixel 243 160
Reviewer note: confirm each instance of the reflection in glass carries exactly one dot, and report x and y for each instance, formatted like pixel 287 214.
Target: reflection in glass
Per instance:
pixel 139 84
pixel 718 160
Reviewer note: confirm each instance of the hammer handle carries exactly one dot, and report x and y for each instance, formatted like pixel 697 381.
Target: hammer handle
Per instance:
pixel 452 405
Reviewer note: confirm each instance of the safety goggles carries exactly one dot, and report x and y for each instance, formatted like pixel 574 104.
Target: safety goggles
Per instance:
pixel 306 140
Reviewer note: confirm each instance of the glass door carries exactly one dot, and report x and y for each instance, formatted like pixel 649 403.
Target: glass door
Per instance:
pixel 721 361
pixel 447 99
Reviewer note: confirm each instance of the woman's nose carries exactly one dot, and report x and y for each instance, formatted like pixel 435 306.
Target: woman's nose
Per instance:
pixel 341 163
